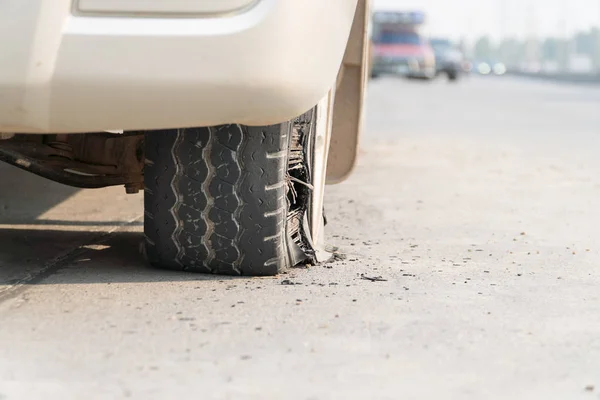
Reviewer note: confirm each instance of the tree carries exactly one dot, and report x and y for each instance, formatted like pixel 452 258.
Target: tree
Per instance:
pixel 550 49
pixel 588 43
pixel 483 48
pixel 583 43
pixel 595 38
pixel 511 52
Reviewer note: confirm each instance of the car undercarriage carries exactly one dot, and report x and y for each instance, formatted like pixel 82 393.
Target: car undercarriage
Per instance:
pixel 90 160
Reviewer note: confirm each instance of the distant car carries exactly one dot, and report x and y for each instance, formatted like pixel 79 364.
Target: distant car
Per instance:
pixel 402 52
pixel 449 60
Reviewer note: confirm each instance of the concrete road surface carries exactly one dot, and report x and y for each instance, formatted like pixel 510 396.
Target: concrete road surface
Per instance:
pixel 477 203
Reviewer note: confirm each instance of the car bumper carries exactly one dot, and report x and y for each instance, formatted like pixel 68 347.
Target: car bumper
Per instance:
pixel 65 72
pixel 403 69
pixel 449 66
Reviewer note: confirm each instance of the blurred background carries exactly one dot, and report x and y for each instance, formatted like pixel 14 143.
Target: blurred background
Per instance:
pixel 558 38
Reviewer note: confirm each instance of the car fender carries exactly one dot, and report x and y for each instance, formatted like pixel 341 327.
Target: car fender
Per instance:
pixel 348 108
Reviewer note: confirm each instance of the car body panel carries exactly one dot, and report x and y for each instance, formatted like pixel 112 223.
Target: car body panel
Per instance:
pixel 65 73
pixel 348 117
pixel 406 60
pixel 161 7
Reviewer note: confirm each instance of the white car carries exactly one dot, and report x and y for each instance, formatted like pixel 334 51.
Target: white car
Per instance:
pixel 223 111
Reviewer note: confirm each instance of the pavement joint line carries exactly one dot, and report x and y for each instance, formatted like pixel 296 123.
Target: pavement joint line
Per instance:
pixel 58 262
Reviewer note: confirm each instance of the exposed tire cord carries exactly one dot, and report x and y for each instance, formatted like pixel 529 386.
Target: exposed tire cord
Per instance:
pixel 216 199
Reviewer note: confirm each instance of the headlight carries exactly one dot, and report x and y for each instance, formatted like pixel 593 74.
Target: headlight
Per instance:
pixel 499 69
pixel 484 68
pixel 429 59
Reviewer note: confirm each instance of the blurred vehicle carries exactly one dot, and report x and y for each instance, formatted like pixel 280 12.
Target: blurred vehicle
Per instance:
pixel 467 66
pixel 488 68
pixel 449 59
pixel 221 112
pixel 399 48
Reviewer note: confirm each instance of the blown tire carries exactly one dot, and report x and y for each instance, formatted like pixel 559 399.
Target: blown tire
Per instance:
pixel 234 199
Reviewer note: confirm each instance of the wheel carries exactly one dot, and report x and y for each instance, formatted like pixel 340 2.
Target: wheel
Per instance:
pixel 234 199
pixel 452 75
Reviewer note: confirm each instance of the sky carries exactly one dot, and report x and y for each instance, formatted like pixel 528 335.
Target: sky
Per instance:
pixel 474 18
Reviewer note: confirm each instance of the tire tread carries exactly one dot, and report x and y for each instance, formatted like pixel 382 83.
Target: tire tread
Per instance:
pixel 216 202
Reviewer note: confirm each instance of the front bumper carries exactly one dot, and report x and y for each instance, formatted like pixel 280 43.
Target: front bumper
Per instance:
pixel 403 67
pixel 445 66
pixel 65 72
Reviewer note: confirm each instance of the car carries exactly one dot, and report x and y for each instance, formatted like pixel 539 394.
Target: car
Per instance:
pixel 399 48
pixel 229 115
pixel 449 60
